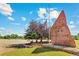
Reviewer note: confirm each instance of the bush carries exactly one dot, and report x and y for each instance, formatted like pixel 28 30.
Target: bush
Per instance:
pixel 12 36
pixel 31 35
pixel 76 37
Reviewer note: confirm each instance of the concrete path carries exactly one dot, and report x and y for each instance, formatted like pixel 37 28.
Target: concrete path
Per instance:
pixel 74 51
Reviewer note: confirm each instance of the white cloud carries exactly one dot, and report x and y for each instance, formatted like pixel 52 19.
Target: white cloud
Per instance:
pixel 9 31
pixel 48 13
pixel 43 21
pixel 6 9
pixel 26 26
pixel 53 14
pixel 16 23
pixel 72 26
pixel 11 18
pixel 37 18
pixel 41 12
pixel 71 22
pixel 51 8
pixel 78 22
pixel 2 28
pixel 30 12
pixel 23 18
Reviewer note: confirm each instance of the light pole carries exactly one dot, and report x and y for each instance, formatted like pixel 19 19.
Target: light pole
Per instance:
pixel 49 26
pixel 48 10
pixel 48 19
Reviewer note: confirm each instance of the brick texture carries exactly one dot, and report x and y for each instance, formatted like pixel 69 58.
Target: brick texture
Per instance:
pixel 60 34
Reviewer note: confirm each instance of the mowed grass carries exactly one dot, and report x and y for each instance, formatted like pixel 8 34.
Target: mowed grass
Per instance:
pixel 77 43
pixel 38 51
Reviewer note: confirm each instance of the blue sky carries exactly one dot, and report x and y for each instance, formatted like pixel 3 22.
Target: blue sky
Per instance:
pixel 15 17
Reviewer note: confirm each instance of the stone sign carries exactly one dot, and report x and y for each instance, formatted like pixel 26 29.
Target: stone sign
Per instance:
pixel 60 34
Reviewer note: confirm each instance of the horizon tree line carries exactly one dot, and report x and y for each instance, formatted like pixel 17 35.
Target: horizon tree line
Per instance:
pixel 35 30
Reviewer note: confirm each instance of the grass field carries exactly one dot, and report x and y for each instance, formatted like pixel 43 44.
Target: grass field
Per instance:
pixel 29 52
pixel 35 51
pixel 77 43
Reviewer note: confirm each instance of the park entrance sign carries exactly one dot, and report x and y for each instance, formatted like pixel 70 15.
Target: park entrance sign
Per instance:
pixel 60 34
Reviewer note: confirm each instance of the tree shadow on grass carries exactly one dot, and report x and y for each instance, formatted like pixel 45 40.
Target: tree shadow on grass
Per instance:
pixel 47 49
pixel 19 46
pixel 44 49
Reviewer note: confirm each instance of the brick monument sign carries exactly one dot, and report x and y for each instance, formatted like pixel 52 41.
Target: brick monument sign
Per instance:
pixel 60 34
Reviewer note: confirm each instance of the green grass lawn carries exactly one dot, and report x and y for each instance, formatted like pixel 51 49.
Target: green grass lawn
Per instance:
pixel 77 43
pixel 37 51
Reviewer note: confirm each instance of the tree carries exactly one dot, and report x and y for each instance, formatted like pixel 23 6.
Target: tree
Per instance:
pixel 1 37
pixel 13 36
pixel 76 37
pixel 31 35
pixel 7 37
pixel 36 31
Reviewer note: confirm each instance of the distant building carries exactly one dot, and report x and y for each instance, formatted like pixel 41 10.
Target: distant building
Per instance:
pixel 60 34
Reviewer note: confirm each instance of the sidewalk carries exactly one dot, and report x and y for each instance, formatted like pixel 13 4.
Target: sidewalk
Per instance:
pixel 74 51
